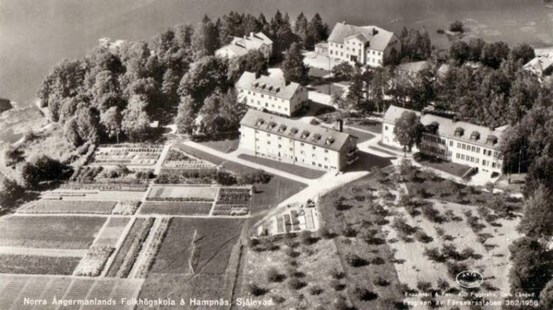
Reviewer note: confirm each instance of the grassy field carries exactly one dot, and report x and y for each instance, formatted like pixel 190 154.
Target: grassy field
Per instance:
pixel 176 208
pixel 112 231
pixel 225 146
pixel 69 232
pixel 14 288
pixel 68 206
pixel 28 264
pixel 199 154
pixel 130 248
pixel 351 213
pixel 196 192
pixel 214 240
pixel 290 168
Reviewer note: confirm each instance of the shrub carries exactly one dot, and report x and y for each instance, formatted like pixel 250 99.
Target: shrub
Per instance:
pixel 454 268
pixel 435 255
pixel 433 215
pixel 424 286
pixel 340 303
pixel 456 26
pixel 315 290
pixel 274 276
pixel 337 285
pixel 443 284
pixel 256 290
pixel 421 236
pixel 364 294
pixel 307 238
pixel 277 299
pixel 326 233
pixel 381 282
pixel 337 274
pixel 295 283
pixel 355 260
pixel 378 261
pixel 349 231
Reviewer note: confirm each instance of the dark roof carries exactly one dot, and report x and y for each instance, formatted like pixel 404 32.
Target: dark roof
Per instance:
pixel 294 129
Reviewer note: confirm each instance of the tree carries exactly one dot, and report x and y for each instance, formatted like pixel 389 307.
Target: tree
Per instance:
pixel 317 31
pixel 111 120
pixel 13 156
pixel 523 53
pixel 204 77
pixel 531 268
pixel 27 176
pixel 538 214
pixel 337 100
pixel 10 192
pixel 253 61
pixel 355 97
pixel 456 26
pixel 293 67
pixel 300 29
pixel 343 70
pixel 546 296
pixel 493 54
pixel 416 44
pixel 459 52
pixel 185 117
pixel 205 39
pixel 136 122
pixel 408 130
pixel 475 46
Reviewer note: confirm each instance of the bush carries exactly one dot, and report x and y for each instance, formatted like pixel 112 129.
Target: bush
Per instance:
pixel 456 26
pixel 315 290
pixel 337 285
pixel 378 261
pixel 295 283
pixel 349 231
pixel 421 236
pixel 274 276
pixel 381 282
pixel 364 294
pixel 355 260
pixel 433 215
pixel 337 274
pixel 277 299
pixel 340 303
pixel 424 286
pixel 256 290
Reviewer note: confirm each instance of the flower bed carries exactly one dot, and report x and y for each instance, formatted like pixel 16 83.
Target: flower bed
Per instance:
pixel 30 264
pixel 126 187
pixel 176 208
pixel 153 247
pixel 93 262
pixel 68 206
pixel 234 196
pixel 126 207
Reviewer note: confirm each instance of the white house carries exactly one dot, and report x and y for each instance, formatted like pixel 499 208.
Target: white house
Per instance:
pixel 296 142
pixel 459 142
pixel 240 46
pixel 366 45
pixel 272 92
pixel 541 65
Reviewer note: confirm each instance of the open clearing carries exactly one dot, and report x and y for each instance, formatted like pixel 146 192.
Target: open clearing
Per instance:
pixel 176 208
pixel 68 232
pixel 14 288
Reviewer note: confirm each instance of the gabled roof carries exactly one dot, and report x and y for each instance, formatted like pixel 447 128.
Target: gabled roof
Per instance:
pixel 414 67
pixel 295 129
pixel 540 64
pixel 449 128
pixel 240 46
pixel 378 38
pixel 273 84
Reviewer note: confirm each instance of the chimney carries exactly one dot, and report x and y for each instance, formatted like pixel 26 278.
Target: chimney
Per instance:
pixel 257 75
pixel 286 82
pixel 375 32
pixel 339 125
pixel 252 34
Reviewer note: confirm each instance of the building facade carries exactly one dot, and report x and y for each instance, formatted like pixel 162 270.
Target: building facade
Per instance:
pixel 459 142
pixel 365 45
pixel 296 142
pixel 241 46
pixel 271 93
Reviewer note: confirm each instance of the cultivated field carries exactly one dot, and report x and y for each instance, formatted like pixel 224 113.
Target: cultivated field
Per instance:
pixel 133 156
pixel 112 231
pixel 14 288
pixel 31 264
pixel 68 207
pixel 68 232
pixel 176 208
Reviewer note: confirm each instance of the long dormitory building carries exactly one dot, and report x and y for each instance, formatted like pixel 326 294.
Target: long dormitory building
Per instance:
pixel 459 142
pixel 296 142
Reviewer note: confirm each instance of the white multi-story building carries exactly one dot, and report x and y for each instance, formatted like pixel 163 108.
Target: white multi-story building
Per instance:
pixel 241 46
pixel 366 45
pixel 459 142
pixel 271 93
pixel 296 142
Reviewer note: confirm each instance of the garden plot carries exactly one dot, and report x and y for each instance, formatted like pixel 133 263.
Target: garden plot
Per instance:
pixel 180 160
pixel 68 206
pixel 112 194
pixel 233 201
pixel 112 231
pixel 448 238
pixel 14 288
pixel 295 221
pixel 34 264
pixel 70 189
pixel 150 248
pixel 183 193
pixel 68 232
pixel 176 208
pixel 129 156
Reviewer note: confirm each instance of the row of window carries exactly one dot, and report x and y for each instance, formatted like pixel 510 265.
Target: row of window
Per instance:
pixel 473 148
pixel 263 96
pixel 279 156
pixel 289 140
pixel 279 107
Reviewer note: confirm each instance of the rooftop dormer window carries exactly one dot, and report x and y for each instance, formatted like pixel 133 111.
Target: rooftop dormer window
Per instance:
pixel 305 134
pixel 316 137
pixel 282 128
pixel 475 135
pixel 459 131
pixel 329 140
pixel 294 130
pixel 259 122
pixel 272 124
pixel 492 140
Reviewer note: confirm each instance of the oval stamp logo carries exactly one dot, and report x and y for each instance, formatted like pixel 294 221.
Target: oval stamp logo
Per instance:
pixel 469 279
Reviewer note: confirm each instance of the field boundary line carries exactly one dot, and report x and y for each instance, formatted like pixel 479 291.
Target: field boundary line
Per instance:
pixel 14 304
pixel 191 258
pixel 215 201
pixel 45 288
pixel 118 245
pixel 140 260
pixel 89 292
pixel 67 289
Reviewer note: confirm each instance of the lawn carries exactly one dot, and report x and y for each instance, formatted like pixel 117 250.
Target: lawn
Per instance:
pixel 214 241
pixel 68 206
pixel 176 208
pixel 225 146
pixel 367 160
pixel 199 154
pixel 362 135
pixel 286 167
pixel 455 169
pixel 112 231
pixel 68 232
pixel 28 264
pixel 352 213
pixel 206 193
pixel 365 124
